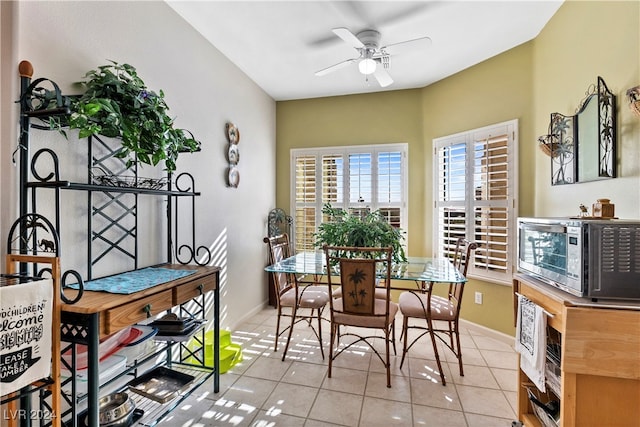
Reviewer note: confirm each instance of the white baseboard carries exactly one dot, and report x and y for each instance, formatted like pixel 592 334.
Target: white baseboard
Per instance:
pixel 500 336
pixel 250 314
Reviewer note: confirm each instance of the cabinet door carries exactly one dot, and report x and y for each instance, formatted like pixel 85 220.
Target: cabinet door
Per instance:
pixel 602 342
pixel 601 367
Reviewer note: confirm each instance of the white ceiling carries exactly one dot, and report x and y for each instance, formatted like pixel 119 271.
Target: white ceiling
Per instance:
pixel 281 44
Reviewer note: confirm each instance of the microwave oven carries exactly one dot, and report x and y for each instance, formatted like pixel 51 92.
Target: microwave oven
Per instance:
pixel 594 258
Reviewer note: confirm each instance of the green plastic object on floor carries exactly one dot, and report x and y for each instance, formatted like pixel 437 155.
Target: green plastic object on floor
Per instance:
pixel 230 353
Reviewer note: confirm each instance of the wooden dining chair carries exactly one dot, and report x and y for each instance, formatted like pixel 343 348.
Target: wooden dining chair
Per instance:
pixel 358 306
pixel 294 296
pixel 433 308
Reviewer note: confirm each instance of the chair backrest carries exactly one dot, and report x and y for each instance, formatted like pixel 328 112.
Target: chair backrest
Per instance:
pixel 462 254
pixel 279 249
pixel 461 260
pixel 359 268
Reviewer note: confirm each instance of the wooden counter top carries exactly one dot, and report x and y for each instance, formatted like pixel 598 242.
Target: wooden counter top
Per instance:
pixel 117 311
pixel 96 301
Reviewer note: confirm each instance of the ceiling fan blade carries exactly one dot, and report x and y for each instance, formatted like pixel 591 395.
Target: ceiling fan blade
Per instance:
pixel 382 76
pixel 408 45
pixel 335 67
pixel 348 37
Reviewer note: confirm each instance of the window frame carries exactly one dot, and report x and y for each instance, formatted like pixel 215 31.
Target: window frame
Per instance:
pixel 345 151
pixel 470 204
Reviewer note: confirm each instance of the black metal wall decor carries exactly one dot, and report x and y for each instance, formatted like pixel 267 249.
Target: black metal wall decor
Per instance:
pixel 561 146
pixel 582 147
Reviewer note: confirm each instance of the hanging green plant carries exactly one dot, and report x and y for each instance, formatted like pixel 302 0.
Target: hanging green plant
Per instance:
pixel 118 104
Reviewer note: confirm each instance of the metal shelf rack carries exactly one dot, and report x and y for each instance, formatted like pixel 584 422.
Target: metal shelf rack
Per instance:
pixel 112 226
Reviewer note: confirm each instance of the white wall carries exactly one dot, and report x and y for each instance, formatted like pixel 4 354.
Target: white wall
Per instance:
pixel 63 40
pixel 9 92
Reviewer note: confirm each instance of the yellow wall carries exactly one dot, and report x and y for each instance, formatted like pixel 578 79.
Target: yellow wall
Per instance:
pixel 376 118
pixel 550 73
pixel 582 41
pixel 494 91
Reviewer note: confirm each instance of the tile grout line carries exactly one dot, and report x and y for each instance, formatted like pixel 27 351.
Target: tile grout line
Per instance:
pixel 410 380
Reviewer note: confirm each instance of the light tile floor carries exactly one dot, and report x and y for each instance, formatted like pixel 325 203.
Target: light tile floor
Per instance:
pixel 264 391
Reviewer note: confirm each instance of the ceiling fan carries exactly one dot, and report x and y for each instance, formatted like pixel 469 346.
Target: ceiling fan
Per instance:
pixel 372 58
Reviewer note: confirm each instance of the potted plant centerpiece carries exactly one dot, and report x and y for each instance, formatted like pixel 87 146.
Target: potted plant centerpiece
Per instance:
pixel 367 230
pixel 118 104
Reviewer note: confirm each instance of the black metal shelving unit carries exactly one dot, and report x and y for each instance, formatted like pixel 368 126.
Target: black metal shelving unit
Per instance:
pixel 112 227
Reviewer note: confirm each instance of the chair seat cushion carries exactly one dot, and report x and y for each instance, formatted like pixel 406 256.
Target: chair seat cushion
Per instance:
pixel 376 321
pixel 414 305
pixel 310 297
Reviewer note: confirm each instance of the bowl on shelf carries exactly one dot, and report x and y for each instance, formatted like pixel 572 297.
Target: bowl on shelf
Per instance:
pixel 115 409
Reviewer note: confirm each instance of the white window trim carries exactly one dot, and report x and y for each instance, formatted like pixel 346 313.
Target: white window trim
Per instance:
pixel 318 152
pixel 512 210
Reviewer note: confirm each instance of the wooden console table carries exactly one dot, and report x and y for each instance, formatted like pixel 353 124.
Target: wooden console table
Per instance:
pixel 98 314
pixel 600 358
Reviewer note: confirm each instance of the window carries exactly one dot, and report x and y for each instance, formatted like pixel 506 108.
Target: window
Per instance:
pixel 359 179
pixel 475 186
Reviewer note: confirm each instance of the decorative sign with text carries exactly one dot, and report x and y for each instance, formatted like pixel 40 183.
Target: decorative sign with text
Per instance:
pixel 25 334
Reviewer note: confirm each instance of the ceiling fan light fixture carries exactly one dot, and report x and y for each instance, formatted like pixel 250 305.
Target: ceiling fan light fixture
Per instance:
pixel 367 66
pixel 372 59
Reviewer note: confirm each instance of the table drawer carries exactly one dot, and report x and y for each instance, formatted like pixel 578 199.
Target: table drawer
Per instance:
pixel 188 291
pixel 135 311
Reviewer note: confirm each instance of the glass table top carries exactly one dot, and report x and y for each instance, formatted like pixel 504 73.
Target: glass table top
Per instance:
pixel 416 268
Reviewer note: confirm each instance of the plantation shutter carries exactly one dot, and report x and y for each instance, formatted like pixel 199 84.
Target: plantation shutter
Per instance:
pixel 332 179
pixel 360 179
pixel 390 186
pixel 474 194
pixel 491 197
pixel 305 202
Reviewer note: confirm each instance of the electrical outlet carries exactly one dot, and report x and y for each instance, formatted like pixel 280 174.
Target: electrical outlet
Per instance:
pixel 478 297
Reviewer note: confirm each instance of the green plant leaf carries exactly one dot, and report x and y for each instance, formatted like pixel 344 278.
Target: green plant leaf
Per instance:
pixel 85 133
pixel 92 108
pixel 117 103
pixel 371 230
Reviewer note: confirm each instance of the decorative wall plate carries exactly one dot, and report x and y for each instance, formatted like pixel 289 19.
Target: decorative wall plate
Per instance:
pixel 233 177
pixel 233 134
pixel 233 154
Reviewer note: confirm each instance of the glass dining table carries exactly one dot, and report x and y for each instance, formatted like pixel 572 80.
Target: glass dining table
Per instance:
pixel 422 271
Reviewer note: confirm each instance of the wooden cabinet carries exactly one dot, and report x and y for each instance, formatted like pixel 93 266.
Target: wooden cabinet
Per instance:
pixel 600 358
